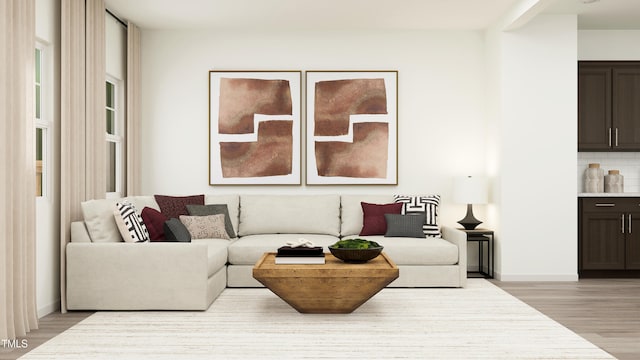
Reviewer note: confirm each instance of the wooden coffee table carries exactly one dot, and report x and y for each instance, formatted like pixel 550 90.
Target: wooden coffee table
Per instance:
pixel 333 288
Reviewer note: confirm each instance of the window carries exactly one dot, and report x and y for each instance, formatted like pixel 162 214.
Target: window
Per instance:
pixel 42 122
pixel 115 135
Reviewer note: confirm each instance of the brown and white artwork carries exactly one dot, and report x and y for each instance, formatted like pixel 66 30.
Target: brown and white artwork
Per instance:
pixel 352 127
pixel 254 124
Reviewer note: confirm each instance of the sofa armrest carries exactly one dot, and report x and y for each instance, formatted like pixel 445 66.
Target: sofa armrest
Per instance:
pixel 119 276
pixel 458 238
pixel 79 232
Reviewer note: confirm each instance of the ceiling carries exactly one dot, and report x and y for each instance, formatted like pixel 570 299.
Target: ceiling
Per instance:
pixel 359 14
pixel 601 14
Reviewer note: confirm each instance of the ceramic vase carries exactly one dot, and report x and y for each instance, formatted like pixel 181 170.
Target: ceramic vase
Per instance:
pixel 614 182
pixel 594 179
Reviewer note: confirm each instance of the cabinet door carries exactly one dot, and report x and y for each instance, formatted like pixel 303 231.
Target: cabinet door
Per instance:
pixel 594 108
pixel 633 241
pixel 602 245
pixel 626 107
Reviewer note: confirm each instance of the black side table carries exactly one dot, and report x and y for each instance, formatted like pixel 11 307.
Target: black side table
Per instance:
pixel 482 237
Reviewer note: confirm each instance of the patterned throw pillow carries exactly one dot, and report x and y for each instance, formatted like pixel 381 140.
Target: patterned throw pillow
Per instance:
pixel 427 204
pixel 174 206
pixel 213 209
pixel 130 223
pixel 205 227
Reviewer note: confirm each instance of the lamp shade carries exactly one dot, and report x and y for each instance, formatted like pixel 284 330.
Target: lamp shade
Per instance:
pixel 470 190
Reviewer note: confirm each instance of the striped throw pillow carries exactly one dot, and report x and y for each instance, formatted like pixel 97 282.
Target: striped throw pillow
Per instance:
pixel 130 223
pixel 428 204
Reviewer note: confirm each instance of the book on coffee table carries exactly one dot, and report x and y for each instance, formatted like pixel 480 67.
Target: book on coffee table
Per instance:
pixel 310 260
pixel 299 251
pixel 300 255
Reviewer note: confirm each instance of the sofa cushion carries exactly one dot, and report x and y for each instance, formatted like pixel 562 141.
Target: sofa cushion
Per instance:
pixel 374 222
pixel 422 203
pixel 98 216
pixel 233 205
pixel 205 227
pixel 247 250
pixel 154 220
pixel 216 254
pixel 174 206
pixel 289 214
pixel 414 251
pixel 214 209
pixel 351 211
pixel 130 223
pixel 410 225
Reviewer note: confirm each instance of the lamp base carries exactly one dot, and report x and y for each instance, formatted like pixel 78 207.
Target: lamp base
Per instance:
pixel 469 222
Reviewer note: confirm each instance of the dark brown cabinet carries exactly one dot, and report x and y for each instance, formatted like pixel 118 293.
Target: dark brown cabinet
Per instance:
pixel 608 106
pixel 609 237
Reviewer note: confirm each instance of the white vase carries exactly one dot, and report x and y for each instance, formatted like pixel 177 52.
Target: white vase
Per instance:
pixel 614 182
pixel 594 179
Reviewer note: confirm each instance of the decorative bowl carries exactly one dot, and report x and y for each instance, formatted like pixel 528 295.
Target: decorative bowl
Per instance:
pixel 355 250
pixel 355 255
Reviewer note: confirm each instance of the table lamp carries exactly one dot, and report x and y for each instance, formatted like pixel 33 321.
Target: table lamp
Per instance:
pixel 470 190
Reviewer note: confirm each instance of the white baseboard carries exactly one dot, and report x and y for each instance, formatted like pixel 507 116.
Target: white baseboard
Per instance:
pixel 536 277
pixel 48 309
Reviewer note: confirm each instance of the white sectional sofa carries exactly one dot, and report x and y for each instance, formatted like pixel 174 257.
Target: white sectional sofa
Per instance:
pixel 105 273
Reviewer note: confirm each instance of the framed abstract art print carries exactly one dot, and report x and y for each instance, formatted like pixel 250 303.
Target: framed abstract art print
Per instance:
pixel 254 127
pixel 351 127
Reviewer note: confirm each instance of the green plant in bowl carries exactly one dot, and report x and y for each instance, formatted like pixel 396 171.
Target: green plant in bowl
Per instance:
pixel 355 244
pixel 355 250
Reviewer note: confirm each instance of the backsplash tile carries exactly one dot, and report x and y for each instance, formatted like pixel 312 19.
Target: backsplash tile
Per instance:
pixel 627 162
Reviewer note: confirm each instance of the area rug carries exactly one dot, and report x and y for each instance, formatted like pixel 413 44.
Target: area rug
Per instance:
pixel 480 321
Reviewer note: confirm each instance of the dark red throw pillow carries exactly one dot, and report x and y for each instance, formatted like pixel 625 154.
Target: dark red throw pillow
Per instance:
pixel 154 220
pixel 373 222
pixel 174 206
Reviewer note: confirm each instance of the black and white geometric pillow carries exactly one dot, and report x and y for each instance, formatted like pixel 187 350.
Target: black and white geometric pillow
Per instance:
pixel 427 204
pixel 130 223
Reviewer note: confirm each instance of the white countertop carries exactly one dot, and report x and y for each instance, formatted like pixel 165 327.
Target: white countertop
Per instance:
pixel 626 194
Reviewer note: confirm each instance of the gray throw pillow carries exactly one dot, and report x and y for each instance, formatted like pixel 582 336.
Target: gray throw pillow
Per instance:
pixel 214 209
pixel 174 230
pixel 405 225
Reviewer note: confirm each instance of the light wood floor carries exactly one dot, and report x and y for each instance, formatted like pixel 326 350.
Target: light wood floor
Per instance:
pixel 48 327
pixel 604 311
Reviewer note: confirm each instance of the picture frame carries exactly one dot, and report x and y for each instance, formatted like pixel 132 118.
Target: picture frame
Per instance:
pixel 255 127
pixel 352 127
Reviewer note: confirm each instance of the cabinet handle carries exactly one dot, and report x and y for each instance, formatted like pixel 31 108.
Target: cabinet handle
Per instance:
pixel 616 137
pixel 607 205
pixel 629 223
pixel 609 137
pixel 622 218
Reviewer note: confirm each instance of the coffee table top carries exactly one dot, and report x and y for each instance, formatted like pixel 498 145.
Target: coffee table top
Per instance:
pixel 381 263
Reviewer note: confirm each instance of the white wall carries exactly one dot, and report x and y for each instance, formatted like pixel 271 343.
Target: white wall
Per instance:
pixel 441 101
pixel 537 97
pixel 609 45
pixel 48 207
pixel 525 81
pixel 493 71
